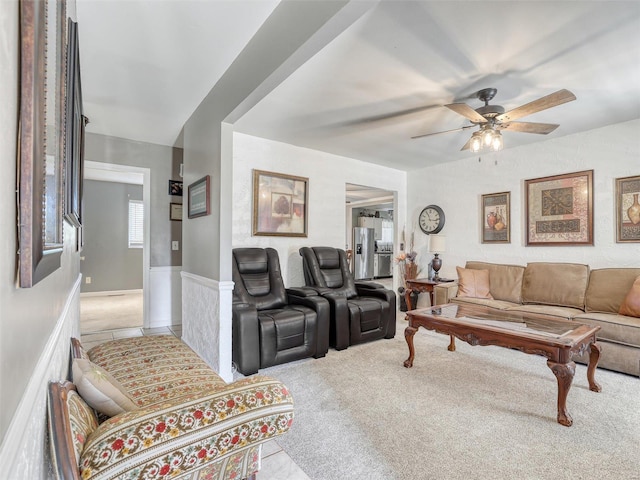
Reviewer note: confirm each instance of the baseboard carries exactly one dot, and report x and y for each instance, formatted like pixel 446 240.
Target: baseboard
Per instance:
pixel 110 293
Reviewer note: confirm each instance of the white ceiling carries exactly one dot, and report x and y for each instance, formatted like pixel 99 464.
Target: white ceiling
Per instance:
pixel 146 65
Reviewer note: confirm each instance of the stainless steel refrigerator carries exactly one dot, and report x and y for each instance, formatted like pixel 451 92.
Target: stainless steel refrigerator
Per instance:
pixel 363 251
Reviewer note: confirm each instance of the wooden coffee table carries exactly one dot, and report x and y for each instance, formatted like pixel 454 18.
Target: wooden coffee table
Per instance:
pixel 558 340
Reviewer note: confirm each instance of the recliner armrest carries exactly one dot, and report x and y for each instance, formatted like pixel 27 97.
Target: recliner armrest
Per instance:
pixel 369 285
pixel 246 338
pixel 302 291
pixel 186 436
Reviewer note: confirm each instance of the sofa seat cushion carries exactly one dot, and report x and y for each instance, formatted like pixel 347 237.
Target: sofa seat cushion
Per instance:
pixel 155 369
pixel 497 304
pixel 505 281
pixel 566 313
pixel 614 328
pixel 561 284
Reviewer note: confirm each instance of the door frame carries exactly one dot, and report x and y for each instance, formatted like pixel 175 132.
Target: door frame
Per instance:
pixel 111 172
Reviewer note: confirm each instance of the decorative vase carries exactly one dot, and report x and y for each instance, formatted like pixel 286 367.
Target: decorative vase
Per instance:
pixel 410 271
pixel 634 210
pixel 403 300
pixel 492 219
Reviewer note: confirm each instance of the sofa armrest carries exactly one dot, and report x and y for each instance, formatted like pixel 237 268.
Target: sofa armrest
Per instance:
pixel 246 338
pixel 166 440
pixel 444 292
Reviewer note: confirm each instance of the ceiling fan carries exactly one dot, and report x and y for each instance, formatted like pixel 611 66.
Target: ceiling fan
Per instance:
pixel 492 119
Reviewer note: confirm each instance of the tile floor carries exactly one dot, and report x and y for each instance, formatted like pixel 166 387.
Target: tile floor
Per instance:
pixel 276 464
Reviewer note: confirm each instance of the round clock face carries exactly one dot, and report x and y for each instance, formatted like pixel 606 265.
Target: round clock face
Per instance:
pixel 431 219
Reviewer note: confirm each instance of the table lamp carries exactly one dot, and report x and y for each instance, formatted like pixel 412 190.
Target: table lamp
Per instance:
pixel 436 246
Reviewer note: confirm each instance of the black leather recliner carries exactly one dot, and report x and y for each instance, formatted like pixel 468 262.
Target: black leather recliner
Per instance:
pixel 271 324
pixel 360 311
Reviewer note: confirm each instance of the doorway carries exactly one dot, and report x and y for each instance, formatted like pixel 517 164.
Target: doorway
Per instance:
pixel 104 306
pixel 375 208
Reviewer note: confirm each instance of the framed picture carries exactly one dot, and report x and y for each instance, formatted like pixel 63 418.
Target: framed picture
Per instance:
pixel 496 218
pixel 279 204
pixel 75 123
pixel 175 188
pixel 199 197
pixel 43 71
pixel 628 209
pixel 175 211
pixel 559 209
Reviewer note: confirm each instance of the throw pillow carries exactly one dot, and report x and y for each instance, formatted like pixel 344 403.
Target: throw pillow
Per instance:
pixel 631 304
pixel 473 283
pixel 99 389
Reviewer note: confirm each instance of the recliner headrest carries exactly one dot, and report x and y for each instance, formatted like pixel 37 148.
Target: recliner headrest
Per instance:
pixel 251 260
pixel 328 257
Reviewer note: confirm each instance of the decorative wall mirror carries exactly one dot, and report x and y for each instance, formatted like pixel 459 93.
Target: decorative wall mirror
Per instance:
pixel 42 104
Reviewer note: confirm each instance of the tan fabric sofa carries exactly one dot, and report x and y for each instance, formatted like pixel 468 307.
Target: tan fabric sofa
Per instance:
pixel 569 291
pixel 186 423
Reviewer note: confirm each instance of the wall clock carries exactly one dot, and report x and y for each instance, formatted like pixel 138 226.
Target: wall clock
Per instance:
pixel 431 219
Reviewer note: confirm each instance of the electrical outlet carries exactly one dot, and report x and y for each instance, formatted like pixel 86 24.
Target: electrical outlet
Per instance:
pixel 88 280
pixel 175 245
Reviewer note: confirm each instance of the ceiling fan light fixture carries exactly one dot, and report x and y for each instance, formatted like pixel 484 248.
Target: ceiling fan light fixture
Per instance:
pixel 476 142
pixel 496 142
pixel 487 136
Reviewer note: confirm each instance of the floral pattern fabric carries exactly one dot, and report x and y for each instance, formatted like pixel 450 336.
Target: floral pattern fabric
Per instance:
pixel 190 425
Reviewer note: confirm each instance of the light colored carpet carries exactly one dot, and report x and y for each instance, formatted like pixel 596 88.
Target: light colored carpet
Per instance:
pixel 112 312
pixel 479 412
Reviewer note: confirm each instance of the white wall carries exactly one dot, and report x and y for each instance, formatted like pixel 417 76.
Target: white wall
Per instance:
pixel 612 152
pixel 328 175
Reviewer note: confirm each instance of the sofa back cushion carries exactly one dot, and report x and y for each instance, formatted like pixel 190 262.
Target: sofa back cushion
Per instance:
pixel 562 284
pixel 505 281
pixel 608 288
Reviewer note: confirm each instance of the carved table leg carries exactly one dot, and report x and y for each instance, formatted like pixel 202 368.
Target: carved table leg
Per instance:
pixel 452 343
pixel 564 373
pixel 594 357
pixel 409 332
pixel 407 299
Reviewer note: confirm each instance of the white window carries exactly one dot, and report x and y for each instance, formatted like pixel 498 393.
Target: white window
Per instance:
pixel 136 224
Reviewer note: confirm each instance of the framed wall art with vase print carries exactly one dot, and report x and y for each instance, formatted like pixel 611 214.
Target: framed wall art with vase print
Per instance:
pixel 628 209
pixel 559 209
pixel 279 204
pixel 496 218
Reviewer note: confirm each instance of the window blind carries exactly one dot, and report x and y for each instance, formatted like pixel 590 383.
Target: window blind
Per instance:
pixel 136 224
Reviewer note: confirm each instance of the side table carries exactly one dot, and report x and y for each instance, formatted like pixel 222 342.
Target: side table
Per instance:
pixel 420 285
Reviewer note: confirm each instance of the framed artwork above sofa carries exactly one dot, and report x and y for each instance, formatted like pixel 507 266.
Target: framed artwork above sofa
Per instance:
pixel 559 209
pixel 628 209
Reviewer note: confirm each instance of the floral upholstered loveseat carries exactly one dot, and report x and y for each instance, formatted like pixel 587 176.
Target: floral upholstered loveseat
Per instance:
pixel 180 420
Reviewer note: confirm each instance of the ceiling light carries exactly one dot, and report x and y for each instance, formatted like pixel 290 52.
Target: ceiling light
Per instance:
pixel 476 142
pixel 487 137
pixel 496 142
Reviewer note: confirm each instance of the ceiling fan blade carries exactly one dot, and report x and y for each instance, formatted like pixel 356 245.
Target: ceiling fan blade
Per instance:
pixel 529 127
pixel 444 131
pixel 466 111
pixel 552 100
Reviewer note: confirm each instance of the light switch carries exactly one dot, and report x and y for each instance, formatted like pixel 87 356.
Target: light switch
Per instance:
pixel 175 245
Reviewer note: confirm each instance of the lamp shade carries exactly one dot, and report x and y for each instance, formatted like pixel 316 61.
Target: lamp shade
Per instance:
pixel 437 243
